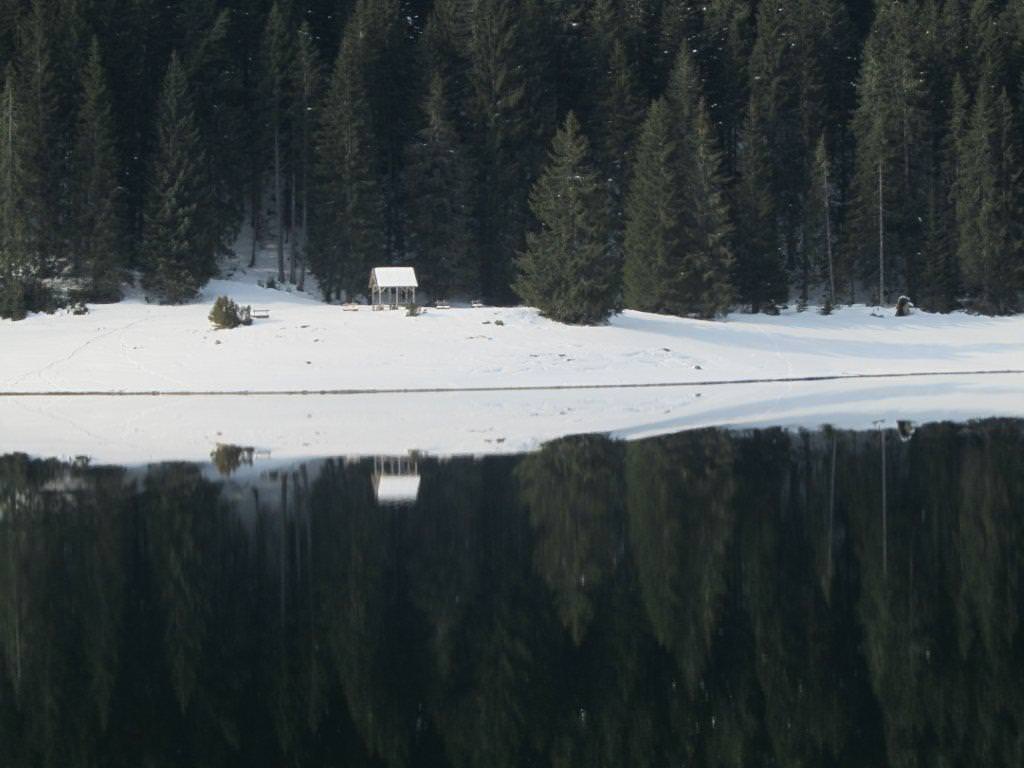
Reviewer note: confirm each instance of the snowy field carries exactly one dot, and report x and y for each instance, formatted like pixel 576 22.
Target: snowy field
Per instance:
pixel 306 345
pixel 139 430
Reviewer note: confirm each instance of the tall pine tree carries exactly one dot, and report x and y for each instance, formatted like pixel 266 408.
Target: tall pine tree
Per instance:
pixel 654 214
pixel 439 230
pixel 566 270
pixel 97 227
pixel 177 259
pixel 988 203
pixel 348 229
pixel 16 267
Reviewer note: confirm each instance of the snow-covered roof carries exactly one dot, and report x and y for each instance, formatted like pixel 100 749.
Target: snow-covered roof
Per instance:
pixel 393 277
pixel 397 489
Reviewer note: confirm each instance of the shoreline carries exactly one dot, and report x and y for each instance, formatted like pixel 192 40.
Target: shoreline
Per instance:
pixel 520 388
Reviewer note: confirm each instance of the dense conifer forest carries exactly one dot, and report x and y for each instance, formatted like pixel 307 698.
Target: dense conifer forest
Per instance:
pixel 580 155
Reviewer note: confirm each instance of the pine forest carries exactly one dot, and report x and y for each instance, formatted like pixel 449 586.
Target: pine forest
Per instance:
pixel 580 156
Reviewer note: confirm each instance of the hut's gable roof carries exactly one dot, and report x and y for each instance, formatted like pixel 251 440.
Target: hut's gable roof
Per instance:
pixel 393 277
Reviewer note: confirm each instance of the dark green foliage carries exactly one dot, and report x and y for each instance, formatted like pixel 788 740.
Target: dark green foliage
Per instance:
pixel 989 203
pixel 566 271
pixel 654 214
pixel 177 255
pixel 439 237
pixel 16 267
pixel 97 226
pixel 891 170
pixel 278 65
pixel 227 314
pixel 678 251
pixel 340 175
pixel 347 233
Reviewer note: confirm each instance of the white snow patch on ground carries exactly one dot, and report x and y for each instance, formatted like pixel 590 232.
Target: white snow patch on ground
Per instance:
pixel 306 345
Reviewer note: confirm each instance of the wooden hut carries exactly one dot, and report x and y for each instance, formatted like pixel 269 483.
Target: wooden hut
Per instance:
pixel 392 287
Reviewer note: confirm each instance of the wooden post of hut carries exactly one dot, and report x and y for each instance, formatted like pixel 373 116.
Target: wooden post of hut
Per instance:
pixel 392 287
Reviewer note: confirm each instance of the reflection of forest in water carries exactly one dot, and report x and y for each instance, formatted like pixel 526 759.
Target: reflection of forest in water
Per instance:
pixel 712 598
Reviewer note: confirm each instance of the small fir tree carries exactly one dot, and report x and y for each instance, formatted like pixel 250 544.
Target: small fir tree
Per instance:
pixel 566 270
pixel 177 260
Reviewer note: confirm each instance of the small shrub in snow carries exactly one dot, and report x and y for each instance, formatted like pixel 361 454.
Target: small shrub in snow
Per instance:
pixel 412 310
pixel 227 314
pixel 499 322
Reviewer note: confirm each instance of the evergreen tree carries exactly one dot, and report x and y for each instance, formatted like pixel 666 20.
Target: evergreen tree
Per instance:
pixel 440 239
pixel 619 115
pixel 277 66
pixel 566 270
pixel 820 229
pixel 988 203
pixel 501 137
pixel 726 43
pixel 760 276
pixel 348 229
pixel 886 233
pixel 98 230
pixel 708 260
pixel 42 191
pixel 177 259
pixel 941 278
pixel 16 266
pixel 654 214
pixel 305 84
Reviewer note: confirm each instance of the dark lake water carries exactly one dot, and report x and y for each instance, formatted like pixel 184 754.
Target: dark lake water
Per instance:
pixel 713 598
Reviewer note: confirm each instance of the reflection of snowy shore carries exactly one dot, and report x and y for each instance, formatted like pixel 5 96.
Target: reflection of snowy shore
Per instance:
pixel 136 430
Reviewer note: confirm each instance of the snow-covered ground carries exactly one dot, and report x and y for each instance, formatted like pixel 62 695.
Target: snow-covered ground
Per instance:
pixel 143 429
pixel 306 345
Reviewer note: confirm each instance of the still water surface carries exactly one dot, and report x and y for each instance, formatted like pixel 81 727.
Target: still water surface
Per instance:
pixel 713 598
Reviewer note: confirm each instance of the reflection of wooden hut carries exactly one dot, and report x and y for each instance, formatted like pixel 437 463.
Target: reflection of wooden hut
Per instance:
pixel 392 287
pixel 396 479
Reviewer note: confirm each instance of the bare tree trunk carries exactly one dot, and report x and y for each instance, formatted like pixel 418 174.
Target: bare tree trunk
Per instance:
pixel 291 236
pixel 305 228
pixel 254 221
pixel 278 207
pixel 881 235
pixel 828 238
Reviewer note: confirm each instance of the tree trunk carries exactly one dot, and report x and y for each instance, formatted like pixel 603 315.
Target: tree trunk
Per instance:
pixel 278 207
pixel 291 235
pixel 828 241
pixel 881 236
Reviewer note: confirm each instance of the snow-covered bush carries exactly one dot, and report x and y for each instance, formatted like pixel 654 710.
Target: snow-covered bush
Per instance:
pixel 412 310
pixel 227 314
